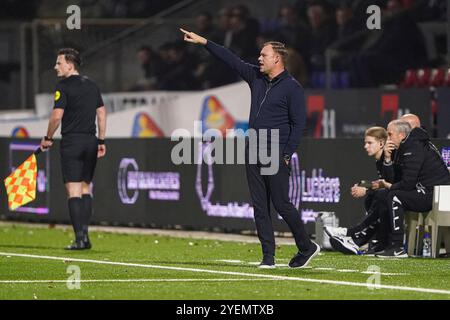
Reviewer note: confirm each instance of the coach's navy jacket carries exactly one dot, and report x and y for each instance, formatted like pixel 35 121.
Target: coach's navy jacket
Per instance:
pixel 275 104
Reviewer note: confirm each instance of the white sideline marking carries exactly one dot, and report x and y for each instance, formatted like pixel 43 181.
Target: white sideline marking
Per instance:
pixel 136 280
pixel 318 268
pixel 256 275
pixel 253 263
pixel 385 273
pixel 278 265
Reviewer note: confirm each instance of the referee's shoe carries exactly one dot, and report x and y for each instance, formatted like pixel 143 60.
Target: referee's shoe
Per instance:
pixel 301 260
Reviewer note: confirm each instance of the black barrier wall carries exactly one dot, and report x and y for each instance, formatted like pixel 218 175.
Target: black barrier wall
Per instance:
pixel 443 112
pixel 348 113
pixel 137 184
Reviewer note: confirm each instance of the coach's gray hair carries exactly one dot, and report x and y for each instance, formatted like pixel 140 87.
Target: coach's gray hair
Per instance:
pixel 401 126
pixel 279 48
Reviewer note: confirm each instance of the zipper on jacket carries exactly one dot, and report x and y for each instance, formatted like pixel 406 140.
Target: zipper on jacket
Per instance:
pixel 264 99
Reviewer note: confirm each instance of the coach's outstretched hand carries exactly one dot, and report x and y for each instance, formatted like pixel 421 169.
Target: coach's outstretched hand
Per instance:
pixel 193 37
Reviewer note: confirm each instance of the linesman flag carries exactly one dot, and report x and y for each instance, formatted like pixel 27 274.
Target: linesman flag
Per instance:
pixel 21 183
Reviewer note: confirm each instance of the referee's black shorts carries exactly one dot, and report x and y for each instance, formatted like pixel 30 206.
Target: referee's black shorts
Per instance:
pixel 78 157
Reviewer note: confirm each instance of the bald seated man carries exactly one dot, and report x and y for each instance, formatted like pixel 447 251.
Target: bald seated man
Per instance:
pixel 412 119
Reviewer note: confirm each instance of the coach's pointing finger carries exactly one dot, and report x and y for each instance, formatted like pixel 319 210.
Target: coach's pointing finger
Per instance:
pixel 193 37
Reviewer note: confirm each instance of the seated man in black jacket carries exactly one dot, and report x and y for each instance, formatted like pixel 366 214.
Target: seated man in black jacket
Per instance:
pixel 417 167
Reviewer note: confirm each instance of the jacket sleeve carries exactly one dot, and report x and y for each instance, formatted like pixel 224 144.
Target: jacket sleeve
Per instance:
pixel 297 117
pixel 387 172
pixel 247 71
pixel 412 159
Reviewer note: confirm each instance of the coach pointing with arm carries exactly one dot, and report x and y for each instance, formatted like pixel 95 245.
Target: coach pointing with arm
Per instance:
pixel 277 103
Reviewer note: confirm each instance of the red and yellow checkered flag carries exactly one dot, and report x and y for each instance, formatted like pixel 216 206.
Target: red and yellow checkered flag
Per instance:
pixel 21 183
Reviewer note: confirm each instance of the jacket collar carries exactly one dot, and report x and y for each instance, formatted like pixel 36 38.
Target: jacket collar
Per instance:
pixel 280 76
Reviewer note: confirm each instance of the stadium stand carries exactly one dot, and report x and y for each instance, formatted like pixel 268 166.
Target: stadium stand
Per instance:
pixel 311 28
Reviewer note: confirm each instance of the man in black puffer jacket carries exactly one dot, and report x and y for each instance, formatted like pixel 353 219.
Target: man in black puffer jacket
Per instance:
pixel 418 167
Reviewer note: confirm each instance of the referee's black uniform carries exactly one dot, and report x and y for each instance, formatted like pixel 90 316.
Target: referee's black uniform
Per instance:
pixel 80 98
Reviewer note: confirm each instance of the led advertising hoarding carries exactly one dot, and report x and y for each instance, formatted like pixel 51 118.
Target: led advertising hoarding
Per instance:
pixel 137 184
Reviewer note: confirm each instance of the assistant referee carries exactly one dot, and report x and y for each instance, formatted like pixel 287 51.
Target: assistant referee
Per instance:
pixel 77 103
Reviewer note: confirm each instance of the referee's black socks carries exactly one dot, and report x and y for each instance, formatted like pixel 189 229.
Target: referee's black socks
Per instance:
pixel 76 216
pixel 87 213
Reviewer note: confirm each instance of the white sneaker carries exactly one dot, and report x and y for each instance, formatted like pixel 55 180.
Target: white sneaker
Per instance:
pixel 336 231
pixel 344 245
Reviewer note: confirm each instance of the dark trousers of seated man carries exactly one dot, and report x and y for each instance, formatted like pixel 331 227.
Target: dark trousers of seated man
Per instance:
pixel 371 226
pixel 275 188
pixel 399 201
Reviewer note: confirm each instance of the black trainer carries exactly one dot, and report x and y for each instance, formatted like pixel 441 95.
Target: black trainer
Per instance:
pixel 392 251
pixel 301 260
pixel 375 249
pixel 79 245
pixel 87 242
pixel 268 262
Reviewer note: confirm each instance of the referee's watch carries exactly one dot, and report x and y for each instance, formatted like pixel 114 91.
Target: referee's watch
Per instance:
pixel 287 157
pixel 100 141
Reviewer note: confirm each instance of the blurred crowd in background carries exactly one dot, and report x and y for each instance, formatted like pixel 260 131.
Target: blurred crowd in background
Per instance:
pixel 308 28
pixel 104 9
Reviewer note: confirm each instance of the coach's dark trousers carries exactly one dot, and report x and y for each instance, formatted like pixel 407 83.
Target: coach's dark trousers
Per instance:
pixel 398 201
pixel 275 188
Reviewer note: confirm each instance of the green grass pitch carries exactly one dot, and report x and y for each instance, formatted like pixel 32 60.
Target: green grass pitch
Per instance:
pixel 33 265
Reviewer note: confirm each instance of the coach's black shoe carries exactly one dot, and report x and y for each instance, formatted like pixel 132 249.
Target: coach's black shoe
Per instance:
pixel 268 262
pixel 78 245
pixel 301 260
pixel 392 251
pixel 87 242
